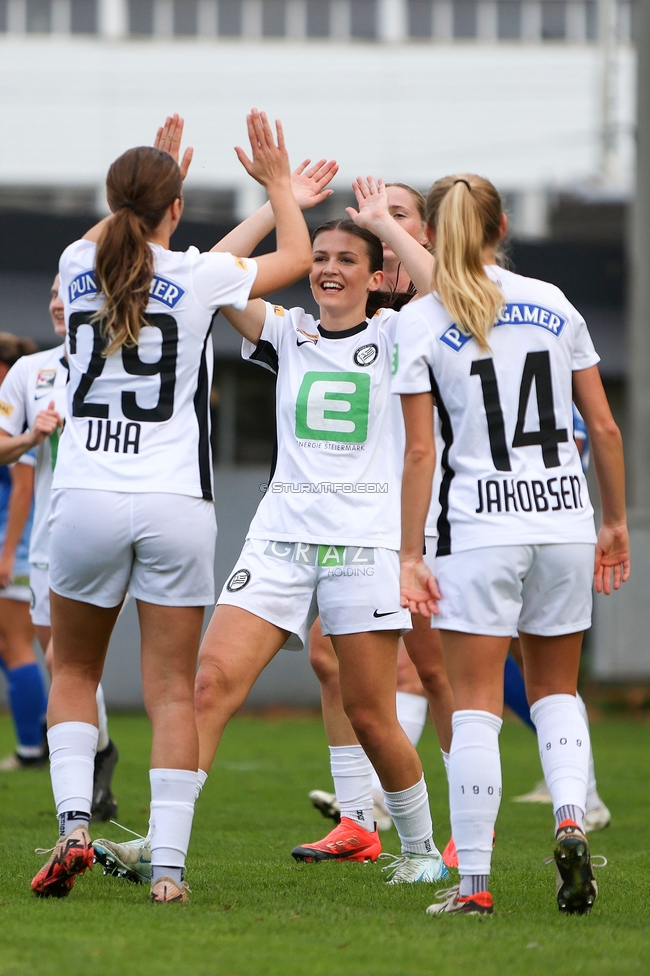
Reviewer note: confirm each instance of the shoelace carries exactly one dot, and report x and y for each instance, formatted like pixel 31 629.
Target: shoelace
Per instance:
pixel 602 864
pixel 446 894
pixel 127 829
pixel 401 860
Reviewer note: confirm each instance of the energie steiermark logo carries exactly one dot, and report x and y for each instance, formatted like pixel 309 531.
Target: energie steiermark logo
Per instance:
pixel 333 407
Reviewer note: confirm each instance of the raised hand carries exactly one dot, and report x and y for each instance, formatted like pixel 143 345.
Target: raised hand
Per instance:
pixel 612 562
pixel 270 162
pixel 308 185
pixel 45 424
pixel 419 588
pixel 168 138
pixel 372 200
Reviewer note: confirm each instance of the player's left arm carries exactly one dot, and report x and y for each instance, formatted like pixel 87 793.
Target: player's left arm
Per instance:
pixel 418 585
pixel 20 503
pixel 612 565
pixel 374 215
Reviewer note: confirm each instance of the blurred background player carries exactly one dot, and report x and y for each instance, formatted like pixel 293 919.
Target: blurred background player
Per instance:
pixel 33 398
pixel 27 697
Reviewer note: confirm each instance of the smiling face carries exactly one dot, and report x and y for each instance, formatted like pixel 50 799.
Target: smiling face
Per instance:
pixel 56 308
pixel 403 208
pixel 341 278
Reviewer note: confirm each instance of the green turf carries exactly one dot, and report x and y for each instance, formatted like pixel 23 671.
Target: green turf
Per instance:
pixel 254 912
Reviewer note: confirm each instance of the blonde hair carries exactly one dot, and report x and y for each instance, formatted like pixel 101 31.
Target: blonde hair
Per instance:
pixel 465 211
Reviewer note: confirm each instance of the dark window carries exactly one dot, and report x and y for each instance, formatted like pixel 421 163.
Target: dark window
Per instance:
pixel 318 18
pixel 3 15
pixel 553 20
pixel 508 20
pixel 140 16
pixel 420 18
pixel 363 19
pixel 243 403
pixel 273 18
pixel 39 17
pixel 185 17
pixel 464 18
pixel 83 16
pixel 230 18
pixel 591 11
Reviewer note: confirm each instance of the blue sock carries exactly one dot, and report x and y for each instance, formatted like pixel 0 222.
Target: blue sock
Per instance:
pixel 28 705
pixel 514 692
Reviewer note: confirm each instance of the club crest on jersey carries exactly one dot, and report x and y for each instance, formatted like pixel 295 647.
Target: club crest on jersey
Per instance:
pixel 162 289
pixel 366 355
pixel 238 580
pixel 45 379
pixel 512 313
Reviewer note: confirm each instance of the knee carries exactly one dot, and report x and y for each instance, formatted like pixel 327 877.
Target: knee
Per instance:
pixel 369 724
pixel 323 660
pixel 434 680
pixel 213 688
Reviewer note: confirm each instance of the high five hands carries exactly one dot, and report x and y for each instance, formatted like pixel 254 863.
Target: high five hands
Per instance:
pixel 168 138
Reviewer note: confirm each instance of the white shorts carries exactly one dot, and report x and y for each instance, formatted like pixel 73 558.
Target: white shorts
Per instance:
pixel 290 583
pixel 158 546
pixel 544 590
pixel 39 584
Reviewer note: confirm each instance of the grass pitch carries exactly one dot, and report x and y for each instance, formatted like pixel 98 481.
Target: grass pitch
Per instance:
pixel 255 912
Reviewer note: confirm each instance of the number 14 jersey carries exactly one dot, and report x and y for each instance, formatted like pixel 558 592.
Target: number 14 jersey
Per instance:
pixel 138 420
pixel 511 472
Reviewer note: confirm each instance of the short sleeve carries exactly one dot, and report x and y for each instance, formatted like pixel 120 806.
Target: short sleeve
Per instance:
pixel 12 400
pixel 410 367
pixel 221 279
pixel 267 350
pixel 584 352
pixel 28 458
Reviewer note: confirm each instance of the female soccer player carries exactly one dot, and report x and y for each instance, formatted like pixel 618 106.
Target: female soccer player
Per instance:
pixel 33 394
pixel 132 493
pixel 325 535
pixel 504 356
pixel 27 699
pixel 348 762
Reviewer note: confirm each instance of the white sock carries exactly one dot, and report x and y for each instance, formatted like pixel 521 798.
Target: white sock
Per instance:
pixel 411 714
pixel 173 792
pixel 474 787
pixel 102 720
pixel 202 777
pixel 72 763
pixel 592 792
pixel 352 775
pixel 412 818
pixel 563 738
pixel 445 759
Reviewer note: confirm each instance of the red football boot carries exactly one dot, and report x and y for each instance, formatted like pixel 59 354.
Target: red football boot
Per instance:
pixel 347 842
pixel 71 856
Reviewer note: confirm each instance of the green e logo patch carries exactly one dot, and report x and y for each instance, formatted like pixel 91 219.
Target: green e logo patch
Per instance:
pixel 333 407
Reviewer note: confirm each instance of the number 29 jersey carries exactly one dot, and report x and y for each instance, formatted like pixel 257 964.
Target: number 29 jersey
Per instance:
pixel 336 481
pixel 511 472
pixel 138 420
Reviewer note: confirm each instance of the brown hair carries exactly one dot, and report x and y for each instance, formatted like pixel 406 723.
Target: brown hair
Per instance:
pixel 418 198
pixel 465 211
pixel 141 186
pixel 13 347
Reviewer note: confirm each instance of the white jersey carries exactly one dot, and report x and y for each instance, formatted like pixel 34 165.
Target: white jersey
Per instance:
pixel 139 420
pixel 336 481
pixel 29 387
pixel 511 473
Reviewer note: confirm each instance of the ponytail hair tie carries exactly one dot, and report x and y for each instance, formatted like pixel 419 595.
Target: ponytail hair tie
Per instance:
pixel 130 206
pixel 461 180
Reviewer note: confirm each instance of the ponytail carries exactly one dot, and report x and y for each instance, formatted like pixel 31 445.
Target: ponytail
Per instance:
pixel 465 212
pixel 141 186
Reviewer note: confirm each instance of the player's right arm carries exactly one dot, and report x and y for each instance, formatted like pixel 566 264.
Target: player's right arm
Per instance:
pixel 13 448
pixel 20 503
pixel 14 439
